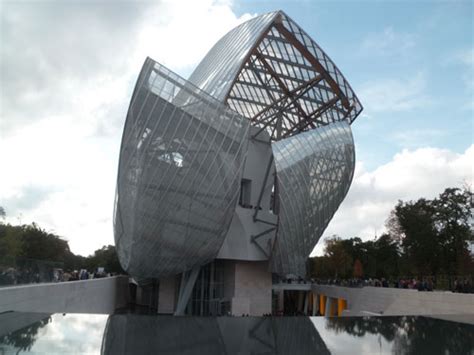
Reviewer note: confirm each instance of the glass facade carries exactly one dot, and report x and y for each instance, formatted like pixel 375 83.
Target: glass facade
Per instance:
pixel 185 142
pixel 270 71
pixel 314 172
pixel 179 175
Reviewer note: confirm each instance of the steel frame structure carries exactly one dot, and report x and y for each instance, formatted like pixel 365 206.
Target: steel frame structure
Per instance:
pixel 185 141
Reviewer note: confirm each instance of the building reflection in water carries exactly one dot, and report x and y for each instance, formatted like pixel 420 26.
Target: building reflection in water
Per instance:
pixel 128 333
pixel 149 334
pixel 410 335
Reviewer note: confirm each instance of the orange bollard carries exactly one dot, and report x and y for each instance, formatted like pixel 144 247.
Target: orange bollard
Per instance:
pixel 322 304
pixel 341 305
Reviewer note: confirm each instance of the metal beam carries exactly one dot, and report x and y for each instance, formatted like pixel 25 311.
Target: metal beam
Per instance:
pixel 282 85
pixel 266 222
pixel 305 87
pixel 187 285
pixel 253 239
pixel 318 112
pixel 265 126
pixel 253 335
pixel 266 231
pixel 291 38
pixel 282 40
pixel 257 43
pixel 265 178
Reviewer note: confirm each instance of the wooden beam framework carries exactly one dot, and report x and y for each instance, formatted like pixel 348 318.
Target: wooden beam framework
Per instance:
pixel 290 37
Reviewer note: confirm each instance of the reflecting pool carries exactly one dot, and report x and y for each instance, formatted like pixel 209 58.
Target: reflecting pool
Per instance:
pixel 35 333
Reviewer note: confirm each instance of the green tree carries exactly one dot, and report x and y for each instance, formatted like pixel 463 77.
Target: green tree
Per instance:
pixel 339 259
pixel 419 242
pixel 10 240
pixel 320 267
pixel 30 246
pixel 24 338
pixel 387 257
pixel 425 237
pixel 452 217
pixel 358 269
pixel 435 234
pixel 41 245
pixel 105 257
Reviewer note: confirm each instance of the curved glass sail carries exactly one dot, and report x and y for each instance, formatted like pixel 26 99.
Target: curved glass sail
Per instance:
pixel 270 71
pixel 218 70
pixel 314 172
pixel 184 147
pixel 179 175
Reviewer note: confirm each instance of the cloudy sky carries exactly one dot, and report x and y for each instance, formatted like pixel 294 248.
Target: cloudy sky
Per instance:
pixel 67 70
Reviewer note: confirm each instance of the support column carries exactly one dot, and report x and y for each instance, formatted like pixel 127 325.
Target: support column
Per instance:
pixel 331 307
pixel 166 295
pixel 315 303
pixel 187 284
pixel 300 304
pixel 322 304
pixel 306 302
pixel 281 301
pixel 341 306
pixel 327 311
pixel 252 288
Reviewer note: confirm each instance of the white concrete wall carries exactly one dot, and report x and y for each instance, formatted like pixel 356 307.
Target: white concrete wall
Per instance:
pixel 395 301
pixel 88 296
pixel 253 288
pixel 167 295
pixel 237 244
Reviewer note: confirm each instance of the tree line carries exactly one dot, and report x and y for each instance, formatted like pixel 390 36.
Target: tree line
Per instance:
pixel 28 245
pixel 424 238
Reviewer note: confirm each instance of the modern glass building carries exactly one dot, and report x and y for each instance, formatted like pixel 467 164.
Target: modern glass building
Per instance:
pixel 233 174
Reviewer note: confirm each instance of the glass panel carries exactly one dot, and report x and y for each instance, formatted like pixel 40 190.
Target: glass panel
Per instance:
pixel 314 171
pixel 179 175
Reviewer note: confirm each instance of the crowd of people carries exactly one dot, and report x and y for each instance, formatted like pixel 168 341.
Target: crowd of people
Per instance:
pixel 18 276
pixel 27 275
pixel 75 275
pixel 461 284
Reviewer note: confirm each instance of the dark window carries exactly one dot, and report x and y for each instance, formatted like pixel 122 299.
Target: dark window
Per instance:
pixel 245 193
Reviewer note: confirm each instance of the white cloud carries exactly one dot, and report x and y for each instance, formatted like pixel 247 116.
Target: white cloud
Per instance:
pixel 67 73
pixel 389 42
pixel 411 174
pixel 185 31
pixel 81 333
pixel 394 95
pixel 74 58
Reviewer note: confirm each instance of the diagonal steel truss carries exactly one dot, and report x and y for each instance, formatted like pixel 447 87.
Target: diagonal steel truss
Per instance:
pixel 288 85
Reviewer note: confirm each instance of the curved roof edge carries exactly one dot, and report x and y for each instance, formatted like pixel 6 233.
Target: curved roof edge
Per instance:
pixel 218 72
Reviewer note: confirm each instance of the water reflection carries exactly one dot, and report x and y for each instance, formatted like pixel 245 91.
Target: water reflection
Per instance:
pixel 144 334
pixel 126 334
pixel 38 333
pixel 410 335
pixel 21 339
